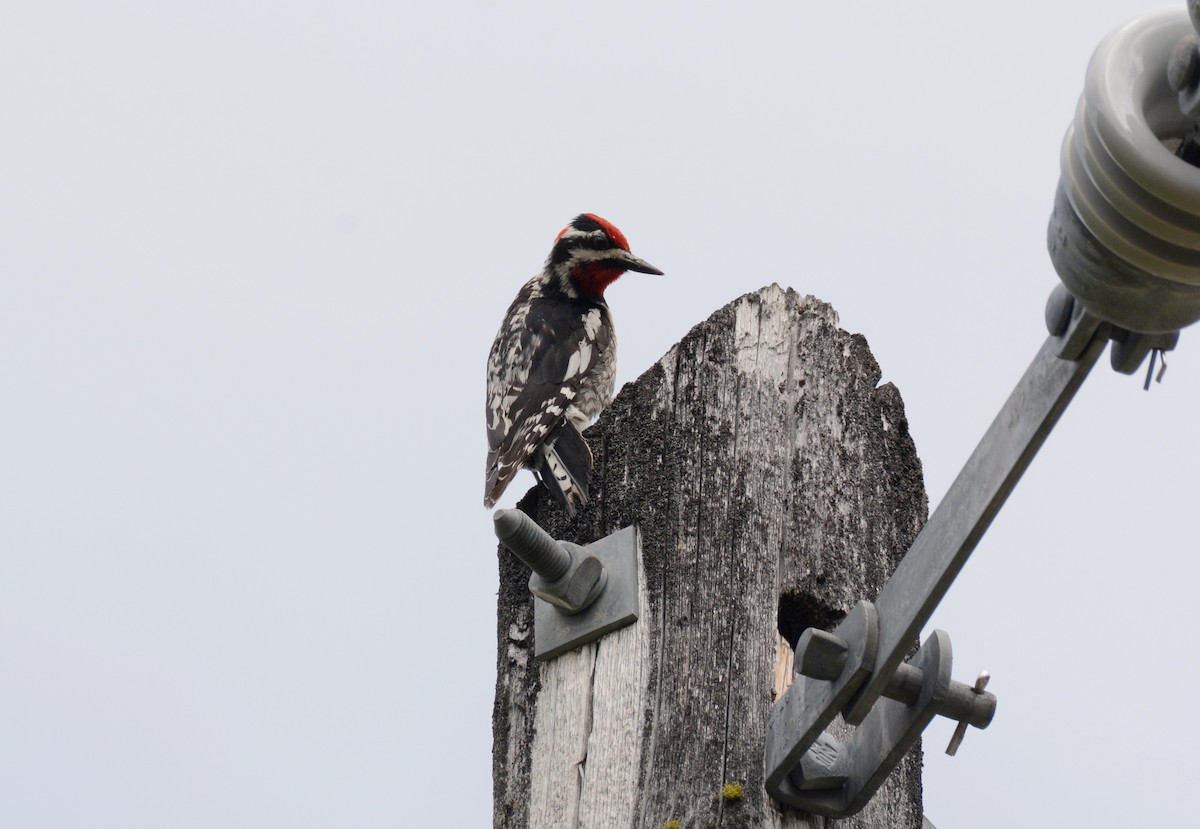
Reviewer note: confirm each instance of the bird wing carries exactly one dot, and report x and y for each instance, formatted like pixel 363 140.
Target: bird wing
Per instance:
pixel 537 370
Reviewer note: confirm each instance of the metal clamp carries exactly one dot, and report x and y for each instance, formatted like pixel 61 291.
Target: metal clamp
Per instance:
pixel 820 773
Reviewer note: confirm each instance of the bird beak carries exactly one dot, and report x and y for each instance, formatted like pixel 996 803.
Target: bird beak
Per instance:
pixel 631 263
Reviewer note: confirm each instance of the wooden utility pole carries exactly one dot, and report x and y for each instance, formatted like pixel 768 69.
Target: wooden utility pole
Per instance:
pixel 773 483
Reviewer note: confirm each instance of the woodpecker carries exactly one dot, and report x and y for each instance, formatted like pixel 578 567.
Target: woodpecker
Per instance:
pixel 552 366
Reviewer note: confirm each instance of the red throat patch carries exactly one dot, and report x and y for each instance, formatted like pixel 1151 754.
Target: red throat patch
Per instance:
pixel 594 277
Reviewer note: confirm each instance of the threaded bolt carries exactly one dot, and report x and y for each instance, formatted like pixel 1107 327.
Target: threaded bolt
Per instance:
pixel 530 543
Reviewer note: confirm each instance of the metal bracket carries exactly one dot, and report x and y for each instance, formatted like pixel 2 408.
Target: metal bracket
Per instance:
pixel 824 685
pixel 837 778
pixel 581 593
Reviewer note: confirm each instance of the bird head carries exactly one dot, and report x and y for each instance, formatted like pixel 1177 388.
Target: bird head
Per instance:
pixel 590 254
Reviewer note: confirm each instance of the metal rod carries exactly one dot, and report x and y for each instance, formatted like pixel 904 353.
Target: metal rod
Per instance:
pixel 981 488
pixel 530 543
pixel 821 655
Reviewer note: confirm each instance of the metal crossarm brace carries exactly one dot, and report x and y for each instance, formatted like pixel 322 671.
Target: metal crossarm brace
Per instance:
pixel 946 542
pixel 847 672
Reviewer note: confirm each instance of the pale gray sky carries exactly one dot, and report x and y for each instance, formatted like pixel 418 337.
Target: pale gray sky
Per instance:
pixel 253 256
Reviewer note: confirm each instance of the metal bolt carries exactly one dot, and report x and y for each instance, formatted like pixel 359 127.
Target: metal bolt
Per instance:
pixel 530 543
pixel 583 583
pixel 564 575
pixel 824 766
pixel 1059 309
pixel 820 654
pixel 960 732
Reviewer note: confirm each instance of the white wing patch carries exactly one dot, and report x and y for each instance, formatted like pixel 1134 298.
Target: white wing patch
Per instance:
pixel 585 355
pixel 580 360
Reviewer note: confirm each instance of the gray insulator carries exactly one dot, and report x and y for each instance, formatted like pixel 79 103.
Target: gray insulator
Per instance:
pixel 1125 232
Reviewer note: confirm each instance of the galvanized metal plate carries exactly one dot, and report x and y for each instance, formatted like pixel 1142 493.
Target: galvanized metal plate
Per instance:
pixel 556 632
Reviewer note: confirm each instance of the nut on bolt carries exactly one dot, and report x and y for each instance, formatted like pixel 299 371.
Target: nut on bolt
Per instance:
pixel 578 587
pixel 564 574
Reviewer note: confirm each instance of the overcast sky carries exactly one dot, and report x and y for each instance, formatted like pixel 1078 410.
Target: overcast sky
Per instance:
pixel 253 256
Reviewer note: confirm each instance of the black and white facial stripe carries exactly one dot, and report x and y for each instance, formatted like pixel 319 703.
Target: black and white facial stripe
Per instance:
pixel 578 247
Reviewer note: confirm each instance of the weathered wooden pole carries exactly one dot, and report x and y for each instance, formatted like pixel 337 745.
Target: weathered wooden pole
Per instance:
pixel 773 483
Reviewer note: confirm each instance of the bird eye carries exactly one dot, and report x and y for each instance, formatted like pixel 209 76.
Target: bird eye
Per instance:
pixel 600 243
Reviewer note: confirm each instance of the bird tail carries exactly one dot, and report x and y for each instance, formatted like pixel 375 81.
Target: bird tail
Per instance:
pixel 565 467
pixel 498 476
